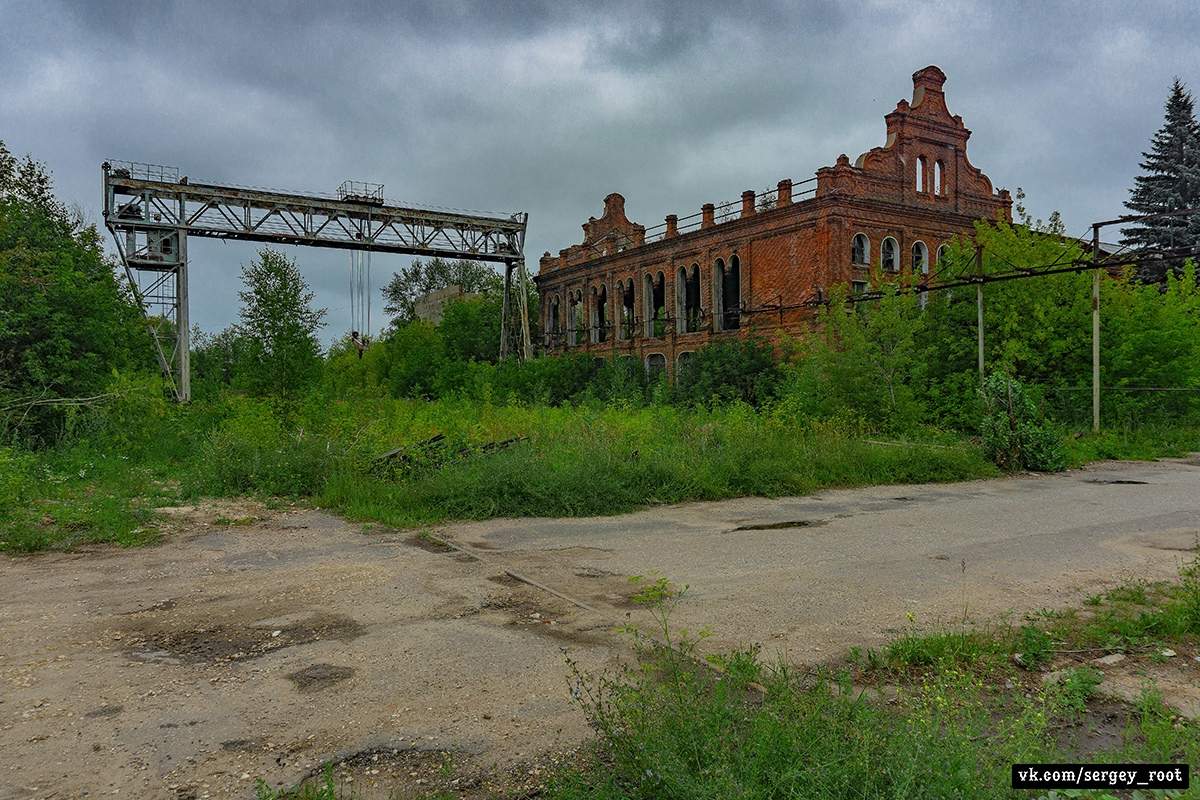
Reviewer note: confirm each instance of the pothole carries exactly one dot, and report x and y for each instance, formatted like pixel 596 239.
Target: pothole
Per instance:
pixel 772 526
pixel 1116 482
pixel 217 643
pixel 105 711
pixel 316 677
pixel 429 544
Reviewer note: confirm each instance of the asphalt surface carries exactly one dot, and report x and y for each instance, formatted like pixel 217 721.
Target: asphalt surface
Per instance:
pixel 262 649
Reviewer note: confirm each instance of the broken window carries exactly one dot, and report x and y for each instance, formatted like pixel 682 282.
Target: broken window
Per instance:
pixel 554 324
pixel 727 286
pixel 687 299
pixel 860 251
pixel 858 287
pixel 656 312
pixel 600 333
pixel 656 365
pixel 920 259
pixel 888 259
pixel 941 253
pixel 625 291
pixel 575 321
pixel 684 363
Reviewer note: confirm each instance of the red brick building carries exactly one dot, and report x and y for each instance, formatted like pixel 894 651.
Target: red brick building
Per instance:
pixel 757 265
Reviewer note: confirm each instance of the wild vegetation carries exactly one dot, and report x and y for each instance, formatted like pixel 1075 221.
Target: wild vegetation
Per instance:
pixel 883 389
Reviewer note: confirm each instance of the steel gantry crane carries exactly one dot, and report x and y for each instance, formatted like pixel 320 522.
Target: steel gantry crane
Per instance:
pixel 151 212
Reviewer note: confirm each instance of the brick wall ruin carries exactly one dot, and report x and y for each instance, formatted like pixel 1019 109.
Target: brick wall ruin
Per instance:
pixel 757 265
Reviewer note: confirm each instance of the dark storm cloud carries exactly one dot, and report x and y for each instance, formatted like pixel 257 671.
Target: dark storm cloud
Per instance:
pixel 548 107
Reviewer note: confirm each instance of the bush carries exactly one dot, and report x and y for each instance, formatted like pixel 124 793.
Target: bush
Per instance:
pixel 1014 434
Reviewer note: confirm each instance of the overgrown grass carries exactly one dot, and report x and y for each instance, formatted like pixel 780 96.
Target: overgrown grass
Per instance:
pixel 114 465
pixel 1138 442
pixel 581 462
pixel 670 728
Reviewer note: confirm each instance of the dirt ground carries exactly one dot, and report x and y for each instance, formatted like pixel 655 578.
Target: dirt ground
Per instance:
pixel 259 642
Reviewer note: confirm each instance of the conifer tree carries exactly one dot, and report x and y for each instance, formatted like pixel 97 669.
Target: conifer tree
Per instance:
pixel 1171 182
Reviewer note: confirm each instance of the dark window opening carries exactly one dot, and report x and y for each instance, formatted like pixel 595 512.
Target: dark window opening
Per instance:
pixel 656 312
pixel 860 251
pixel 888 255
pixel 730 287
pixel 920 259
pixel 687 299
pixel 625 331
pixel 858 287
pixel 656 365
pixel 601 329
pixel 554 324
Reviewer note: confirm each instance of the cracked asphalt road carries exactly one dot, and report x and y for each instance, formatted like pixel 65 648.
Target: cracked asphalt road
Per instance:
pixel 231 652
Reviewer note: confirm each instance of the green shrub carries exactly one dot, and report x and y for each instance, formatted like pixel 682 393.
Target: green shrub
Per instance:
pixel 1014 434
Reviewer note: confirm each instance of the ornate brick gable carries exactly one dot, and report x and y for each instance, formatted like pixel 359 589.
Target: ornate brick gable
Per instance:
pixel 757 265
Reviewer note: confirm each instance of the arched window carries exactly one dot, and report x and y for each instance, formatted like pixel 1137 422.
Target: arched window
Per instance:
pixel 860 251
pixel 727 288
pixel 922 165
pixel 941 253
pixel 601 329
pixel 625 332
pixel 687 299
pixel 920 259
pixel 681 300
pixel 572 319
pixel 939 177
pixel 655 305
pixel 887 255
pixel 656 365
pixel 554 323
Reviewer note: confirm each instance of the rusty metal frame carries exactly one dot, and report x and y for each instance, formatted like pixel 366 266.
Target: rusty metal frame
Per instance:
pixel 144 203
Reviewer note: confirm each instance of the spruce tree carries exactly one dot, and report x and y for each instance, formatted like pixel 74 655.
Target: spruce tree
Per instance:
pixel 1171 182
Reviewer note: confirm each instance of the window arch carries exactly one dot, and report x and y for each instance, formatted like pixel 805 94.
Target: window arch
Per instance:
pixel 600 332
pixel 922 165
pixel 574 317
pixel 920 259
pixel 554 323
pixel 625 329
pixel 727 292
pixel 860 251
pixel 656 365
pixel 939 177
pixel 888 256
pixel 941 253
pixel 655 305
pixel 687 299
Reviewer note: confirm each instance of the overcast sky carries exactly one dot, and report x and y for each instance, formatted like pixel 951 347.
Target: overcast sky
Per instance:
pixel 548 107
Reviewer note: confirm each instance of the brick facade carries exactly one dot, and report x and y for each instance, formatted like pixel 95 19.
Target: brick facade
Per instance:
pixel 757 265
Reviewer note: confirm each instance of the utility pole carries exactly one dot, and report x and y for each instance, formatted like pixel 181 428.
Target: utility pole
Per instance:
pixel 1096 328
pixel 979 304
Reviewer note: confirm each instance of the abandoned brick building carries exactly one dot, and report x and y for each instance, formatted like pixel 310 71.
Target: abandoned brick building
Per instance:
pixel 757 265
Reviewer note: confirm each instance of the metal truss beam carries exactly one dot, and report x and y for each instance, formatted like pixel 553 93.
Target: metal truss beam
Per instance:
pixel 151 212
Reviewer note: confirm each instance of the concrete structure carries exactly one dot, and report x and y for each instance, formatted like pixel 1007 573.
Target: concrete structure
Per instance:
pixel 762 263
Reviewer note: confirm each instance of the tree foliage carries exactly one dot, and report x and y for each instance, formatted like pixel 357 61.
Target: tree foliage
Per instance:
pixel 283 353
pixel 422 277
pixel 1171 182
pixel 65 322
